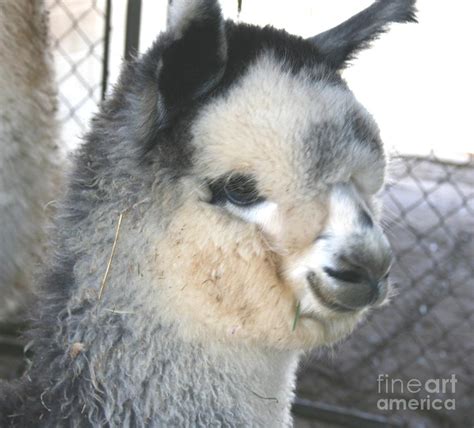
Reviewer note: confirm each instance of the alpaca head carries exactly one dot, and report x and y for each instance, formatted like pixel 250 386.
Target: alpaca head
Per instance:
pixel 274 235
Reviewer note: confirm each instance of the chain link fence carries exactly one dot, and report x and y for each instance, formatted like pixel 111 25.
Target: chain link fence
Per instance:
pixel 79 32
pixel 425 333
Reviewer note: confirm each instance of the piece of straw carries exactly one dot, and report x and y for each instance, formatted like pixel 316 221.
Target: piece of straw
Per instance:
pixel 109 263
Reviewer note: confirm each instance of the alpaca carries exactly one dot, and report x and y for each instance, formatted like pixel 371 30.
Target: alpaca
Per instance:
pixel 29 170
pixel 220 220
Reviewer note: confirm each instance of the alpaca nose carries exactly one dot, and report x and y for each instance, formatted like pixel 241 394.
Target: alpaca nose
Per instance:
pixel 359 278
pixel 352 256
pixel 351 287
pixel 357 286
pixel 355 276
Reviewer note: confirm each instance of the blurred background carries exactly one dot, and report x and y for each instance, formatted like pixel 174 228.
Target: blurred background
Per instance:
pixel 417 82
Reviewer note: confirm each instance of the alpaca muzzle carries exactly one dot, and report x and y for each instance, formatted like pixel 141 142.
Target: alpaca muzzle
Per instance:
pixel 348 267
pixel 356 278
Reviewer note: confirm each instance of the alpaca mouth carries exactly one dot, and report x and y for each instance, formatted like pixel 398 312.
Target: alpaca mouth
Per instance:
pixel 331 304
pixel 326 301
pixel 350 299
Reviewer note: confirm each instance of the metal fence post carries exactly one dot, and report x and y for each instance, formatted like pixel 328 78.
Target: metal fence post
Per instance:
pixel 132 35
pixel 107 30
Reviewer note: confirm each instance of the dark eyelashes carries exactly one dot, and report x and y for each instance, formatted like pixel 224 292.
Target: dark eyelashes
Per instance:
pixel 217 191
pixel 238 189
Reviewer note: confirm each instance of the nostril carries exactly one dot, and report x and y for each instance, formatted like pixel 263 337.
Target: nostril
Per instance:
pixel 351 275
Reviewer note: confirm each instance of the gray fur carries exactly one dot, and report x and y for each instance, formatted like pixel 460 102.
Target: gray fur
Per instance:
pixel 29 170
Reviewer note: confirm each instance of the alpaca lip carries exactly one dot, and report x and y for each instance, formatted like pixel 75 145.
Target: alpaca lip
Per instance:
pixel 331 304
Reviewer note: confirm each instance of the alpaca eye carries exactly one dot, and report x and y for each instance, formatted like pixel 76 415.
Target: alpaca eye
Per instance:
pixel 239 190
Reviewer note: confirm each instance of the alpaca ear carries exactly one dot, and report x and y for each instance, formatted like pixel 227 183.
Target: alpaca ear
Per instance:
pixel 194 60
pixel 340 44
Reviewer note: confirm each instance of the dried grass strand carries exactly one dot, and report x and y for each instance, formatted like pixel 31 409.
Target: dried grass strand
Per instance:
pixel 297 315
pixel 112 253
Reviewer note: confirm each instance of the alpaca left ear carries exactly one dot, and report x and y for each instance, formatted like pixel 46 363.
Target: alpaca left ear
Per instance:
pixel 194 61
pixel 340 44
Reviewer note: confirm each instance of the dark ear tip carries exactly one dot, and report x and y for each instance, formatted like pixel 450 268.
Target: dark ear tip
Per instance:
pixel 411 14
pixel 408 10
pixel 397 10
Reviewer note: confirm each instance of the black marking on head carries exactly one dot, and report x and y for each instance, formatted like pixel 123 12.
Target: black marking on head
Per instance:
pixel 240 190
pixel 167 86
pixel 160 93
pixel 244 44
pixel 340 44
pixel 247 42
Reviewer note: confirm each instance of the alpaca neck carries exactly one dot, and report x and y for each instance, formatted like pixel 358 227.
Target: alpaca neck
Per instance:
pixel 181 384
pixel 246 386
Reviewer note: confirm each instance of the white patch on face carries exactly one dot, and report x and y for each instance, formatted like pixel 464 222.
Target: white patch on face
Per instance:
pixel 264 214
pixel 318 256
pixel 343 220
pixel 345 210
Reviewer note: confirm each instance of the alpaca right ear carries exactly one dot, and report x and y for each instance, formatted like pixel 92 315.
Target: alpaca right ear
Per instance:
pixel 340 44
pixel 194 61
